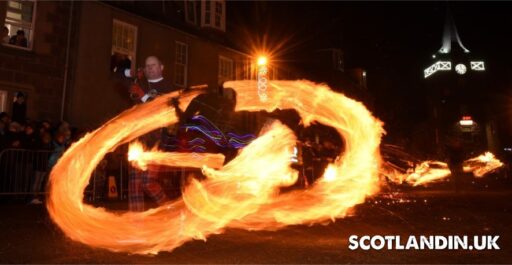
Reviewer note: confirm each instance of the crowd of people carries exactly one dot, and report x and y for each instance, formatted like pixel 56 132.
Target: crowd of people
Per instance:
pixel 19 39
pixel 41 138
pixel 34 135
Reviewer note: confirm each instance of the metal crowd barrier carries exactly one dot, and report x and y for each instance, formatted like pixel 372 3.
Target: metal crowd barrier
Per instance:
pixel 19 169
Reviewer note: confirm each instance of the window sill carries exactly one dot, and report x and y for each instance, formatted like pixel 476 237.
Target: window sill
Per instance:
pixel 16 49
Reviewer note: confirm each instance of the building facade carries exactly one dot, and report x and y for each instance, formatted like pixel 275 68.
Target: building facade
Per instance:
pixel 67 69
pixel 37 66
pixel 189 58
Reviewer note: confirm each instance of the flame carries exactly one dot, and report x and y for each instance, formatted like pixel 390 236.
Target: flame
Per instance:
pixel 136 155
pixel 141 159
pixel 427 172
pixel 245 193
pixel 482 164
pixel 434 171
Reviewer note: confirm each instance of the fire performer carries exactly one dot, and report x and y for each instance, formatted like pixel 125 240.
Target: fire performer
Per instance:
pixel 211 117
pixel 146 182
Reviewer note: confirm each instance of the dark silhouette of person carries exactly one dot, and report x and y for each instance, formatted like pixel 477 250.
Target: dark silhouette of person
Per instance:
pixel 5 35
pixel 19 39
pixel 19 109
pixel 211 115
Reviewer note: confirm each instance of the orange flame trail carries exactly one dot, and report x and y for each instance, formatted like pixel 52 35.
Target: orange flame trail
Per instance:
pixel 141 159
pixel 243 193
pixel 433 171
pixel 482 164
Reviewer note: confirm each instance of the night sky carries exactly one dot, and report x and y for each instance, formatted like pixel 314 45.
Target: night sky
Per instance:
pixel 394 41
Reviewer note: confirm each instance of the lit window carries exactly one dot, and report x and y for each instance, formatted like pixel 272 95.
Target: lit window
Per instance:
pixel 180 73
pixel 124 45
pixel 19 20
pixel 225 69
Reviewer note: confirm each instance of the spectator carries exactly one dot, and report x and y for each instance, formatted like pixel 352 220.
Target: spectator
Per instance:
pixel 4 117
pixel 119 62
pixel 19 108
pixel 5 35
pixel 4 129
pixel 3 135
pixel 14 135
pixel 65 130
pixel 45 127
pixel 59 146
pixel 40 166
pixel 19 39
pixel 29 139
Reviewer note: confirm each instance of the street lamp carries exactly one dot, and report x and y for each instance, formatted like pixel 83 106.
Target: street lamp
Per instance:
pixel 262 60
pixel 262 78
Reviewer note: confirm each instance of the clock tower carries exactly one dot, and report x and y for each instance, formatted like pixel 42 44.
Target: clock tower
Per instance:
pixel 454 80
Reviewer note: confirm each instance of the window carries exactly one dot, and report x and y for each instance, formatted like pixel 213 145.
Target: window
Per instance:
pixel 3 101
pixel 207 12
pixel 218 14
pixel 213 14
pixel 272 75
pixel 247 70
pixel 180 73
pixel 190 15
pixel 337 57
pixel 19 20
pixel 124 45
pixel 243 70
pixel 225 69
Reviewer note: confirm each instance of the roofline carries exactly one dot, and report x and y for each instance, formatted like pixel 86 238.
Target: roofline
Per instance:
pixel 168 26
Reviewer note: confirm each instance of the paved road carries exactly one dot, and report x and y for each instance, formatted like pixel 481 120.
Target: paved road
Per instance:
pixel 29 236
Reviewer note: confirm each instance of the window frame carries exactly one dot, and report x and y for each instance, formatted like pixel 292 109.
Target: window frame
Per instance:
pixel 210 12
pixel 215 13
pixel 232 73
pixel 176 63
pixel 30 39
pixel 194 5
pixel 122 50
pixel 4 95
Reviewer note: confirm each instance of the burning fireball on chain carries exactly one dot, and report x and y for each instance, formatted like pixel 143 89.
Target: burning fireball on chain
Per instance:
pixel 243 193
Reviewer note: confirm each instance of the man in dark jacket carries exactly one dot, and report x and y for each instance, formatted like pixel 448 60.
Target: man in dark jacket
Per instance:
pixel 145 89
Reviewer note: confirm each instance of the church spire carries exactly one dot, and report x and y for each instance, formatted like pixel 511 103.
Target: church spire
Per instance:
pixel 450 35
pixel 446 54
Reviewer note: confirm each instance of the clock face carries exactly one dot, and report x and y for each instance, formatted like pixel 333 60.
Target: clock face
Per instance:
pixel 460 69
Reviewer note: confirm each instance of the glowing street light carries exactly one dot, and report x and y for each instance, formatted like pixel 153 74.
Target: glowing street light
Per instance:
pixel 262 78
pixel 262 60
